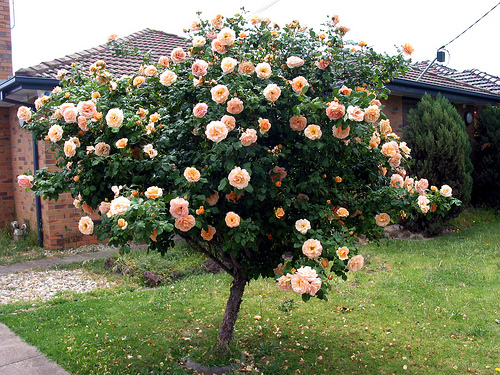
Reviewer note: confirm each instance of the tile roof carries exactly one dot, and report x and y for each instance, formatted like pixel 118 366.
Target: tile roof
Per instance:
pixel 161 43
pixel 473 77
pixel 158 42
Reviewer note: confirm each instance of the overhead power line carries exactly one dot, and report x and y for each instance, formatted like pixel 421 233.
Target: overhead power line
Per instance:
pixel 467 29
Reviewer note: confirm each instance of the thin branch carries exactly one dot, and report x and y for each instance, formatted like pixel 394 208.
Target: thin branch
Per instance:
pixel 202 250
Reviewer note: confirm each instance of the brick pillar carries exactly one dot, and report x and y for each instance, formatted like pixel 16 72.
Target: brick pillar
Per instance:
pixel 6 176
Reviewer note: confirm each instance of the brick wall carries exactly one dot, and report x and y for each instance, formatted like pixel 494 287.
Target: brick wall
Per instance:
pixel 394 112
pixel 6 175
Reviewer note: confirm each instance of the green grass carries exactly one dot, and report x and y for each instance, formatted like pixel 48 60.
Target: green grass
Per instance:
pixel 418 307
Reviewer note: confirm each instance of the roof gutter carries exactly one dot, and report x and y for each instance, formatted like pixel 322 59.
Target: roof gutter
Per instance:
pixel 33 85
pixel 419 89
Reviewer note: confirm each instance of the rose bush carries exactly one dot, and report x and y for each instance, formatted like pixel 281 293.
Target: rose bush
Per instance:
pixel 266 150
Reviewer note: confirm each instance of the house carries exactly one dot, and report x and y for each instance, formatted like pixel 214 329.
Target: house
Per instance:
pixel 56 222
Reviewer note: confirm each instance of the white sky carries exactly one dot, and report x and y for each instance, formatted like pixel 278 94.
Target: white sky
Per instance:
pixel 49 29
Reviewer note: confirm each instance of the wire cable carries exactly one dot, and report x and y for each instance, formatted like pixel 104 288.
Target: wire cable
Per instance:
pixel 467 29
pixel 264 8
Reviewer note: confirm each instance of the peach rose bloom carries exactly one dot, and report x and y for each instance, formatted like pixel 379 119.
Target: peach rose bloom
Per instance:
pixel 119 205
pixel 421 186
pixel 102 149
pixel 308 273
pixel 212 34
pixel 239 178
pixel 298 123
pixel 121 143
pixel 298 83
pixel 216 131
pixel 264 125
pixel 69 148
pixel 313 132
pixel 199 41
pixel 279 213
pixel 150 71
pixel 55 133
pixel 403 147
pixel 343 252
pixel 340 133
pixel 87 109
pixel 390 149
pixel 168 77
pixel 229 121
pixel 277 173
pixel 342 212
pixel 163 61
pixel 409 183
pixel 345 90
pixel 272 92
pixel 248 137
pixel 104 207
pixel 217 22
pixel 302 225
pixel 179 207
pixel 355 113
pixel 246 67
pixel 25 181
pixel 86 225
pixel 408 49
pixel 385 127
pixel 382 219
pixel 235 106
pixel 114 118
pixel 148 149
pixel 209 234
pixel 315 286
pixel 395 161
pixel 195 25
pixel 186 223
pixel 200 110
pixel 122 223
pixel 232 219
pixel 312 248
pixel 397 181
pixel 445 191
pixel 372 113
pixel 423 203
pixel 263 70
pixel 284 282
pixel 24 114
pixel 356 263
pixel 232 197
pixel 218 47
pixel 199 68
pixel 70 115
pixel 299 284
pixel 65 106
pixel 192 174
pixel 335 111
pixel 220 93
pixel 139 80
pixel 375 102
pixel 294 62
pixel 226 36
pixel 374 140
pixel 153 192
pixel 228 64
pixel 322 64
pixel 178 55
pixel 213 199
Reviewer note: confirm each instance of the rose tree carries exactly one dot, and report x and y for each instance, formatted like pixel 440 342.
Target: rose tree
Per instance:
pixel 264 148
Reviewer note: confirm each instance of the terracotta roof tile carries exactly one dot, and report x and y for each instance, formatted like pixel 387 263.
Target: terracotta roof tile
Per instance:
pixel 158 42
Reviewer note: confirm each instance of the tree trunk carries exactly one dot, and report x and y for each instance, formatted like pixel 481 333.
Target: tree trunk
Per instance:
pixel 231 314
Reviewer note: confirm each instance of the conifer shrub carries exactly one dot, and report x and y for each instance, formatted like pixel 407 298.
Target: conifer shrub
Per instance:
pixel 441 152
pixel 486 158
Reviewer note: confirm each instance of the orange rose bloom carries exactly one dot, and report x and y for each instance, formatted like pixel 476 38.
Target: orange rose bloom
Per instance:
pixel 382 219
pixel 232 219
pixel 208 235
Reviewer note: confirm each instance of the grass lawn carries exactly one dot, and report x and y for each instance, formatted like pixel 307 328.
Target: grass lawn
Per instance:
pixel 418 307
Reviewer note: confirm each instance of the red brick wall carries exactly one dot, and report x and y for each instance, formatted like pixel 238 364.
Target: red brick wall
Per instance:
pixel 394 112
pixel 6 175
pixel 5 41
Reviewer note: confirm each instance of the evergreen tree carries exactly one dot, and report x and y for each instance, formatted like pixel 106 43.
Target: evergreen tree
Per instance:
pixel 486 158
pixel 441 152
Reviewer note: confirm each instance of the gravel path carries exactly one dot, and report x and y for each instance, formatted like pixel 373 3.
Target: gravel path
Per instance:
pixel 44 285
